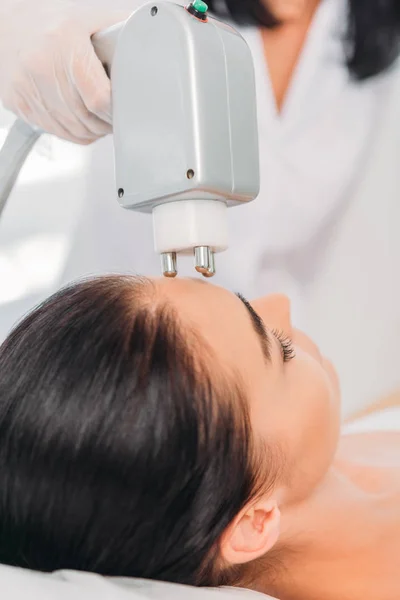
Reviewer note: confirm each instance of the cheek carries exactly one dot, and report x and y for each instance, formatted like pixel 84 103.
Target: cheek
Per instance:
pixel 298 409
pixel 315 417
pixel 333 376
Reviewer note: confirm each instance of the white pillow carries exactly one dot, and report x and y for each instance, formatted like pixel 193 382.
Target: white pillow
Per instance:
pixel 22 584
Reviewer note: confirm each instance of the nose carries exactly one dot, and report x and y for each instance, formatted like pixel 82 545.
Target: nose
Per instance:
pixel 274 310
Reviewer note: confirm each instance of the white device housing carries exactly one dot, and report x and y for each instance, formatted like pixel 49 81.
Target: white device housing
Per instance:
pixel 185 123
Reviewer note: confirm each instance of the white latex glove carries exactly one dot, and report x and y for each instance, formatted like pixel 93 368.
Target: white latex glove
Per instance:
pixel 50 75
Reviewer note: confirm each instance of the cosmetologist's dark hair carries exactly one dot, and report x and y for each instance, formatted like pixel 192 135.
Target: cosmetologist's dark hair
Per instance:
pixel 372 40
pixel 120 453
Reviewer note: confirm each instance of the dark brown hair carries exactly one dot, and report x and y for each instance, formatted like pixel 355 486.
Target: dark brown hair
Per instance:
pixel 120 452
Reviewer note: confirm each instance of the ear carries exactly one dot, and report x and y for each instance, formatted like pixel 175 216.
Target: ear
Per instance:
pixel 252 533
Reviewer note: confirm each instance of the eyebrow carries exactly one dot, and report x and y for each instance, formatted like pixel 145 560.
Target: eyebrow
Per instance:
pixel 259 328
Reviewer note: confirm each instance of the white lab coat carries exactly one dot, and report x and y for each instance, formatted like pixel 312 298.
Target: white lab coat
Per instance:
pixel 324 229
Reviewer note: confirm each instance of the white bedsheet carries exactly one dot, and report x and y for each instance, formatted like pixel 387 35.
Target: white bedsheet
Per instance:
pixel 21 584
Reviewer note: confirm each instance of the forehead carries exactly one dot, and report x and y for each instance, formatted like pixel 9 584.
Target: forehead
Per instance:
pixel 200 302
pixel 221 319
pixel 196 291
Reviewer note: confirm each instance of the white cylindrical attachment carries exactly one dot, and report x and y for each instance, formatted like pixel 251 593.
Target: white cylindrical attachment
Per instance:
pixel 183 225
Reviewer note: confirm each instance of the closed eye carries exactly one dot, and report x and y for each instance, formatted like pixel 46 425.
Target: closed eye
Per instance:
pixel 286 344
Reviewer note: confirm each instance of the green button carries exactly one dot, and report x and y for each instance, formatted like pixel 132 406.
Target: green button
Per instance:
pixel 200 6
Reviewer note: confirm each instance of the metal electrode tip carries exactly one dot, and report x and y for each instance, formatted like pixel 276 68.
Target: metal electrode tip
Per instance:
pixel 204 261
pixel 168 264
pixel 211 269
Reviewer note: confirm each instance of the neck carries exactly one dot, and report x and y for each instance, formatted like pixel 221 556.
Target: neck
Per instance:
pixel 283 46
pixel 319 535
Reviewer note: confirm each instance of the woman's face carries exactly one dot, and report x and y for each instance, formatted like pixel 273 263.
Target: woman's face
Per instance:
pixel 293 392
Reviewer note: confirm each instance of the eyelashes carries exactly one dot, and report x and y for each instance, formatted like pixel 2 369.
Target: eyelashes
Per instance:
pixel 286 343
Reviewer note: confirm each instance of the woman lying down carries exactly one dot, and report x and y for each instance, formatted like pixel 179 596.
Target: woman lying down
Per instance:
pixel 171 430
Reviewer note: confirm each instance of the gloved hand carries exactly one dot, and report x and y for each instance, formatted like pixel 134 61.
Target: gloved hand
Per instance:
pixel 50 75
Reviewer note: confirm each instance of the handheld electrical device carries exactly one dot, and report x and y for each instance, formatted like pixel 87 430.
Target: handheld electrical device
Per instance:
pixel 184 127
